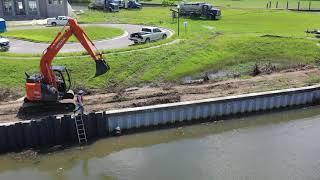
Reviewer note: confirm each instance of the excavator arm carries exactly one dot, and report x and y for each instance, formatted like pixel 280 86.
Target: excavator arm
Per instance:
pixel 72 28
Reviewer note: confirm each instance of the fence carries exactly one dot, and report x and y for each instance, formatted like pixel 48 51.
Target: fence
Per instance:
pixel 294 5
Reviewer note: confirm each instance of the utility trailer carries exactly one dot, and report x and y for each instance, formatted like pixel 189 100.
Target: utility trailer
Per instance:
pixel 199 10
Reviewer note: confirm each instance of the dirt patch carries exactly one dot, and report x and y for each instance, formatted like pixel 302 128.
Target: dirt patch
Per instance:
pixel 269 68
pixel 158 100
pixel 263 69
pixel 7 94
pixel 273 36
pixel 168 93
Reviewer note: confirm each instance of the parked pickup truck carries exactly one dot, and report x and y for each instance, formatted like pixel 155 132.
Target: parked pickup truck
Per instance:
pixel 60 20
pixel 148 34
pixel 4 44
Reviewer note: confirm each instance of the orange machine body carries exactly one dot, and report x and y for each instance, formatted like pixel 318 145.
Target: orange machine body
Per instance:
pixel 45 86
pixel 34 91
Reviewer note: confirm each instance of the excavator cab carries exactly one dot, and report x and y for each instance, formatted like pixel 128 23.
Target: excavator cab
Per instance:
pixel 63 80
pixel 38 90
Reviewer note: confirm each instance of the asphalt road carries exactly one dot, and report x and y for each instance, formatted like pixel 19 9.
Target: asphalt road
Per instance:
pixel 27 47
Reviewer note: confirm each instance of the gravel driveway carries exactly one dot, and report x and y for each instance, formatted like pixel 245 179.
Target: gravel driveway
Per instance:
pixel 26 47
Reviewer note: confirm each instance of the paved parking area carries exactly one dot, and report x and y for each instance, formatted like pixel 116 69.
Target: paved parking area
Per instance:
pixel 27 47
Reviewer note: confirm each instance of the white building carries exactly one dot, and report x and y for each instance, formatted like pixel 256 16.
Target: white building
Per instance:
pixel 32 9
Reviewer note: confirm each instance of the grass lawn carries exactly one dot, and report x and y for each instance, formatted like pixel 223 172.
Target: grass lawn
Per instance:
pixel 240 39
pixel 47 34
pixel 260 4
pixel 234 21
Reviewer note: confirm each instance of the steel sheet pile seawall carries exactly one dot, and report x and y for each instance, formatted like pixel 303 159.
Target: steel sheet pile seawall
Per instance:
pixel 211 108
pixel 52 131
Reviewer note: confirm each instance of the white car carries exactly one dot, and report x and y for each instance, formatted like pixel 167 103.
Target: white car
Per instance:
pixel 148 34
pixel 4 44
pixel 60 20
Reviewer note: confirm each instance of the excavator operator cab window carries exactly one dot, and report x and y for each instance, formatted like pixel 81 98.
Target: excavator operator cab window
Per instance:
pixel 62 78
pixel 59 76
pixel 68 79
pixel 60 81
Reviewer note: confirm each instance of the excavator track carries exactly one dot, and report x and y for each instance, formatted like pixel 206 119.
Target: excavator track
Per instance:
pixel 30 109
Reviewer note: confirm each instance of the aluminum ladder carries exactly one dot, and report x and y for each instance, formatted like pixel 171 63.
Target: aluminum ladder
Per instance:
pixel 81 131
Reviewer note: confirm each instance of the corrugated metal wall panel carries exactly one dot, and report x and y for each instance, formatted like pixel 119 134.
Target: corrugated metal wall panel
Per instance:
pixel 220 107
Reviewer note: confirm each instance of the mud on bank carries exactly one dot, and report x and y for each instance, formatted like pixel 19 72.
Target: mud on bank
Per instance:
pixel 169 93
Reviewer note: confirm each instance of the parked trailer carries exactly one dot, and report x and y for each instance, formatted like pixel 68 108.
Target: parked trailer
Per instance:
pixel 199 10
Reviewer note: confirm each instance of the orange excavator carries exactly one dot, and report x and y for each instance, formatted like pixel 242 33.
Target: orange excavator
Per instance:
pixel 46 89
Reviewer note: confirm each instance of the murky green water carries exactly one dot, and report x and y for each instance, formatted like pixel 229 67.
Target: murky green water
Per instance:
pixel 275 146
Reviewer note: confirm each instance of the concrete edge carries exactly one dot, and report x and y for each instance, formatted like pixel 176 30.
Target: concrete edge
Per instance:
pixel 116 111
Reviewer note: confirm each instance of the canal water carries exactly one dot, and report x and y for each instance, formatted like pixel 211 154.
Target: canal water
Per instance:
pixel 282 145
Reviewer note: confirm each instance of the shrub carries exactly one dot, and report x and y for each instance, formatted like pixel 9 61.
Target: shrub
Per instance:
pixel 168 2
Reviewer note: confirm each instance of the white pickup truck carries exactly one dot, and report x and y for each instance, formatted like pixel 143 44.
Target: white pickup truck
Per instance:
pixel 60 20
pixel 148 34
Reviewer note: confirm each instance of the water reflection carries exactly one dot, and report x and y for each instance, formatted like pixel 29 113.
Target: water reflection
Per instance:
pixel 273 146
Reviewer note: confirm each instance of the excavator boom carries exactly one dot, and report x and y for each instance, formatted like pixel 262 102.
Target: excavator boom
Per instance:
pixel 51 85
pixel 72 28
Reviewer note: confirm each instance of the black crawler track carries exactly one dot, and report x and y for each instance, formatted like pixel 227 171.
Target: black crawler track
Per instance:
pixel 33 110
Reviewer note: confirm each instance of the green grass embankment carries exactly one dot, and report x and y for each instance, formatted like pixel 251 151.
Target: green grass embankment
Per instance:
pixel 47 34
pixel 236 42
pixel 253 4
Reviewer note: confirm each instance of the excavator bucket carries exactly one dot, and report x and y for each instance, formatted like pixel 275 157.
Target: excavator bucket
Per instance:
pixel 101 67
